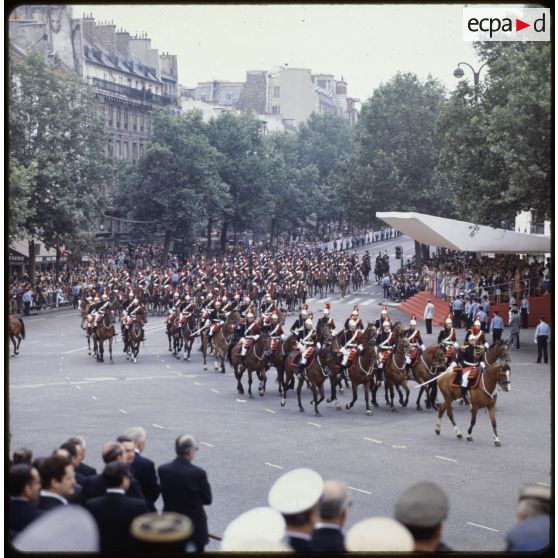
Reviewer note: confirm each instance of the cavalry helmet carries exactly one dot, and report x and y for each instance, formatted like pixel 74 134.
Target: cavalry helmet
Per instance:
pixel 217 303
pixel 131 296
pixel 326 309
pixel 413 322
pixel 386 325
pixel 104 298
pixel 303 313
pixel 449 322
pixel 274 317
pixel 383 312
pixel 352 325
pixel 187 298
pixel 246 299
pixel 472 339
pixel 176 294
pixel 477 323
pixel 249 316
pixel 308 322
pixel 224 299
pixel 135 301
pixel 237 296
pixel 97 299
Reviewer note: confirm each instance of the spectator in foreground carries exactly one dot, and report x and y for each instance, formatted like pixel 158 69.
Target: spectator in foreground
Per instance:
pixel 58 481
pixel 379 534
pixel 296 495
pixel 532 531
pixel 22 456
pixel 422 509
pixel 25 485
pixel 333 508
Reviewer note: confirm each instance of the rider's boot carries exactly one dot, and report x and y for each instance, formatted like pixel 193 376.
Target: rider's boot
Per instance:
pixel 243 361
pixel 300 372
pixel 408 369
pixel 463 395
pixel 114 334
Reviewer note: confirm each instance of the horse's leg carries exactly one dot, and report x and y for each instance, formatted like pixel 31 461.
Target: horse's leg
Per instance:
pixel 407 393
pixel 298 392
pixel 474 410
pixel 355 395
pixel 455 427
pixel 374 390
pixel 222 368
pixel 110 351
pixel 433 393
pixel 263 381
pixel 204 353
pixel 170 337
pixel 190 345
pixel 250 371
pixel 366 397
pixel 419 408
pixel 400 393
pixel 492 414
pixel 315 399
pixel 333 383
pixel 238 376
pixel 286 382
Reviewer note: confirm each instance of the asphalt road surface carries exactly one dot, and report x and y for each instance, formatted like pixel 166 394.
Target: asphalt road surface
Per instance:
pixel 56 391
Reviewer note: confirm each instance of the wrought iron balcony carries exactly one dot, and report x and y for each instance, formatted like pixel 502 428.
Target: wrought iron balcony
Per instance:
pixel 138 94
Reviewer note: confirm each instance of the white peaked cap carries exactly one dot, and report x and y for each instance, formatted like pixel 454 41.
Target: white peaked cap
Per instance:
pixel 64 529
pixel 257 529
pixel 296 491
pixel 379 534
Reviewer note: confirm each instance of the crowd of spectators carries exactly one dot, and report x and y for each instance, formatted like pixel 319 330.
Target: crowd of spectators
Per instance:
pixel 58 503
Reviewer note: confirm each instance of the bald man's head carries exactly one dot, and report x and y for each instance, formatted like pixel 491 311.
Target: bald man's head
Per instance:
pixel 335 500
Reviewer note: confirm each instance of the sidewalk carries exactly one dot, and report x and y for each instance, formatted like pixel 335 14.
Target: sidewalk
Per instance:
pixel 47 310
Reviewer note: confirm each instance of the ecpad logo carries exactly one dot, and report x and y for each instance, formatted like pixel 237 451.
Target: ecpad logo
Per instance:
pixel 506 24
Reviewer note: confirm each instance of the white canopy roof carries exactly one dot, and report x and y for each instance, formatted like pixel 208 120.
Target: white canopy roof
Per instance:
pixel 464 236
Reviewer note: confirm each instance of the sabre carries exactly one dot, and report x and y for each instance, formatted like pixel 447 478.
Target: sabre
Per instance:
pixel 433 379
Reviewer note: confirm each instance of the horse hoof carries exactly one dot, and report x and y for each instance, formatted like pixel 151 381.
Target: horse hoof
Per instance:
pixel 428 405
pixel 301 409
pixel 437 432
pixel 469 438
pixel 205 367
pixel 318 414
pixel 375 404
pixel 347 406
pixel 393 410
pixel 369 413
pixel 328 400
pixel 460 436
pixel 497 443
pixel 419 408
pixel 283 403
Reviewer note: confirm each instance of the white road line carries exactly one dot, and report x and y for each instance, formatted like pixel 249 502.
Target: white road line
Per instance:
pixel 337 301
pixel 543 484
pixel 207 444
pixel 197 383
pixel 369 302
pixel 241 401
pixel 272 465
pixel 482 526
pixel 62 315
pixel 398 446
pixel 359 490
pixel 76 350
pixel 168 366
pixel 158 426
pixel 327 299
pixel 123 411
pixel 214 390
pixel 67 378
pixel 372 440
pixel 270 411
pixel 77 387
pixel 315 424
pixel 356 300
pixel 93 397
pixel 446 458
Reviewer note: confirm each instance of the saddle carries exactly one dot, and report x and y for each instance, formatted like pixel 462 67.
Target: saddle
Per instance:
pixel 214 328
pixel 473 380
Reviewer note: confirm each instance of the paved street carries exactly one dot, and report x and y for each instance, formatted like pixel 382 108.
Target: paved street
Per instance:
pixel 57 391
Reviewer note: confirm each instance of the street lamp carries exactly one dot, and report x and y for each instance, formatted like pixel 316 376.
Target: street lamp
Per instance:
pixel 459 73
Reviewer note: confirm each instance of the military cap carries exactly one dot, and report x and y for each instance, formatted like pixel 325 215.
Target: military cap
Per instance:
pixel 535 492
pixel 167 527
pixel 254 530
pixel 296 491
pixel 379 534
pixel 423 504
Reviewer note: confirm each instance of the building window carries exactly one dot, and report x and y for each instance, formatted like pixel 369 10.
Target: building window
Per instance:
pixel 109 149
pixel 134 151
pixel 322 83
pixel 140 149
pixel 276 110
pixel 142 121
pixel 118 115
pixel 135 120
pixel 126 154
pixel 118 149
pixel 276 91
pixel 126 119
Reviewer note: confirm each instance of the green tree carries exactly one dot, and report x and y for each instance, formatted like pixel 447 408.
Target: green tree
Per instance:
pixel 56 134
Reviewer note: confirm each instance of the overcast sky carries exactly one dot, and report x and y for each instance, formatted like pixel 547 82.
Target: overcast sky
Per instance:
pixel 366 44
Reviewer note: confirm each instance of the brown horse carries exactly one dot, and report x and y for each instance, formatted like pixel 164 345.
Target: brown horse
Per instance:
pixel 16 330
pixel 223 338
pixel 256 361
pixel 343 282
pixel 430 363
pixel 103 333
pixel 188 331
pixel 84 312
pixel 280 354
pixel 134 337
pixel 483 395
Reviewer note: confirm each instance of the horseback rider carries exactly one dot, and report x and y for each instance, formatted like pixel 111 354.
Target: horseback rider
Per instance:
pixel 249 335
pixel 307 344
pixel 326 319
pixel 216 317
pixel 385 341
pixel 448 339
pixel 244 305
pixel 276 329
pixel 99 311
pixel 351 342
pixel 415 343
pixel 469 355
pixel 94 307
pixel 478 332
pixel 383 317
pixel 132 309
pixel 298 327
pixel 354 316
pixel 267 306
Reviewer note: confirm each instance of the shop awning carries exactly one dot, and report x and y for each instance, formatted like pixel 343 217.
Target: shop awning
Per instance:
pixel 464 236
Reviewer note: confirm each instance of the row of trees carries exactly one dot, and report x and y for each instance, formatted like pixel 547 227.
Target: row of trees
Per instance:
pixel 479 154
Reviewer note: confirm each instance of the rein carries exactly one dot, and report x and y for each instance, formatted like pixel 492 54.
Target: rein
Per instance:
pixel 370 369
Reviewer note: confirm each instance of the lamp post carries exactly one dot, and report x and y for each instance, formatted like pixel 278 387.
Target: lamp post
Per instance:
pixel 459 73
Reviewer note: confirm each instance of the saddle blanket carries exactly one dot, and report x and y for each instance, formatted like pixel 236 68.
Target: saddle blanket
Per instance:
pixel 473 380
pixel 386 355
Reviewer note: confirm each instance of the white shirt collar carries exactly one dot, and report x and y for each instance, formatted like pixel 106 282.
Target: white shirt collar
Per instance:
pixel 327 525
pixel 297 535
pixel 54 495
pixel 116 490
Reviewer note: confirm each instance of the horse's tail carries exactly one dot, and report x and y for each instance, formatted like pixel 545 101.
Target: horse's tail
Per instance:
pixel 22 328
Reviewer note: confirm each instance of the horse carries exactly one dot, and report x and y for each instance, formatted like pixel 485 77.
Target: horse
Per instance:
pixel 427 366
pixel 103 333
pixel 483 395
pixel 357 279
pixel 256 361
pixel 133 340
pixel 223 338
pixel 187 330
pixel 16 330
pixel 395 374
pixel 280 349
pixel 343 282
pixel 84 312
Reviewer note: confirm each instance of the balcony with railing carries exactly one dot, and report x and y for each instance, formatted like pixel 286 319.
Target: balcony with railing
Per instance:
pixel 143 95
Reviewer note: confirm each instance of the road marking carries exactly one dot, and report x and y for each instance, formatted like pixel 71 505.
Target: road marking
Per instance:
pixel 270 411
pixel 158 426
pixel 62 315
pixel 67 378
pixel 93 397
pixel 359 490
pixel 123 411
pixel 241 401
pixel 354 301
pixel 372 440
pixel 369 302
pixel 272 465
pixel 398 446
pixel 315 424
pixel 543 484
pixel 327 299
pixel 168 366
pixel 77 387
pixel 207 444
pixel 197 383
pixel 337 301
pixel 76 350
pixel 482 526
pixel 446 458
pixel 214 390
pixel 101 379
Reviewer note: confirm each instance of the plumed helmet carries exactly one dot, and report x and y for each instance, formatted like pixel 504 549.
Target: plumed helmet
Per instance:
pixel 217 304
pixel 449 321
pixel 308 322
pixel 383 312
pixel 176 294
pixel 274 317
pixel 187 298
pixel 249 316
pixel 303 313
pixel 386 325
pixel 472 339
pixel 413 322
pixel 352 325
pixel 224 299
pixel 97 299
pixel 268 297
pixel 477 323
pixel 135 301
pixel 89 298
pixel 131 296
pixel 104 298
pixel 246 299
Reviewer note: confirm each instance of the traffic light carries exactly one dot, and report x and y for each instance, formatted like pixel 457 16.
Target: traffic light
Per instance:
pixel 398 252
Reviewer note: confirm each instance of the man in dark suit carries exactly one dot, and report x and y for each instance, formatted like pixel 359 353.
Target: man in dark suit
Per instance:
pixel 58 482
pixel 114 511
pixel 82 468
pixel 143 468
pixel 296 495
pixel 186 490
pixel 25 485
pixel 96 486
pixel 334 505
